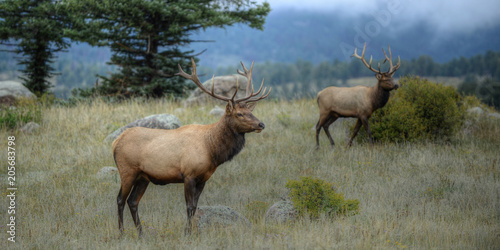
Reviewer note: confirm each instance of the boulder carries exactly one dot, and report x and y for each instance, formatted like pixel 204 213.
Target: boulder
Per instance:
pixel 217 111
pixel 107 171
pixel 207 216
pixel 223 85
pixel 475 110
pixel 30 127
pixel 161 121
pixel 281 212
pixel 494 115
pixel 14 89
pixel 7 101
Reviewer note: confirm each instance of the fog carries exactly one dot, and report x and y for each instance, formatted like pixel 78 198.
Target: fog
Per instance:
pixel 444 15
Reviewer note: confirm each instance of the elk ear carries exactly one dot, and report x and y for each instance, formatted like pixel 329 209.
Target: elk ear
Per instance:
pixel 251 105
pixel 379 76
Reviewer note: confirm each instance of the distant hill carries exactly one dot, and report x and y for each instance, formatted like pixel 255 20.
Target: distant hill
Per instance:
pixel 290 35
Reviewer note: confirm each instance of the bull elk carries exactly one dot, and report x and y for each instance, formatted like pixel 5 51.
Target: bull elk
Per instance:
pixel 189 154
pixel 358 101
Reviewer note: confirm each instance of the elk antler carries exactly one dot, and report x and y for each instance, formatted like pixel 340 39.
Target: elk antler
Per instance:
pixel 249 95
pixel 362 58
pixel 392 69
pixel 194 77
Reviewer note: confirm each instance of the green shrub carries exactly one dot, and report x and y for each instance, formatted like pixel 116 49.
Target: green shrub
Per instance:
pixel 25 110
pixel 418 110
pixel 314 196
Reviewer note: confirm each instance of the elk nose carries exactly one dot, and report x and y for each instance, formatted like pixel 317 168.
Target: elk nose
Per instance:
pixel 261 125
pixel 396 86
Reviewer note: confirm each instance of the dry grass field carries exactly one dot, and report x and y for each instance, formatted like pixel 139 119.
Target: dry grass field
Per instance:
pixel 428 195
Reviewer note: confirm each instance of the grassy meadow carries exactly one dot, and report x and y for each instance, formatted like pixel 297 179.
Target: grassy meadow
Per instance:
pixel 428 195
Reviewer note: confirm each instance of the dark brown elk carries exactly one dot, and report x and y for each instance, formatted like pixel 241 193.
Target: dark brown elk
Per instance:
pixel 359 101
pixel 189 154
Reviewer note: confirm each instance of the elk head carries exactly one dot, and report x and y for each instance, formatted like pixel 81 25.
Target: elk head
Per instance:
pixel 238 111
pixel 385 80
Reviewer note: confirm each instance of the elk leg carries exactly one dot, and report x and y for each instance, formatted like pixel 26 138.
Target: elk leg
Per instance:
pixel 354 132
pixel 329 122
pixel 192 192
pixel 140 186
pixel 125 188
pixel 367 127
pixel 323 119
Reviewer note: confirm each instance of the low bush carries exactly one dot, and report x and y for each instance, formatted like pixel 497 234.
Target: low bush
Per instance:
pixel 314 196
pixel 418 110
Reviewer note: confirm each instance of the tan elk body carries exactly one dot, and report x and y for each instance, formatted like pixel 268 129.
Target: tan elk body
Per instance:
pixel 189 154
pixel 359 101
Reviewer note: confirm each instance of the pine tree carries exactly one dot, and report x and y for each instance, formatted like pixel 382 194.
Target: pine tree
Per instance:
pixel 34 29
pixel 147 37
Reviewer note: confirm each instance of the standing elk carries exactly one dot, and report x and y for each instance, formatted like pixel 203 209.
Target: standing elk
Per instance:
pixel 358 101
pixel 189 154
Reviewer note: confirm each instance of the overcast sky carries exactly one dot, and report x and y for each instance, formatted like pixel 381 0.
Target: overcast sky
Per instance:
pixel 449 15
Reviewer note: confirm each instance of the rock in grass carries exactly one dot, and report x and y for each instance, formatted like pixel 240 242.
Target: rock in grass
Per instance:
pixel 281 212
pixel 107 171
pixel 30 127
pixel 207 216
pixel 161 121
pixel 217 111
pixel 14 89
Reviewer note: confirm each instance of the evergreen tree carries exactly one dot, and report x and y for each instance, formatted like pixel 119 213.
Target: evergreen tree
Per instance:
pixel 34 29
pixel 146 37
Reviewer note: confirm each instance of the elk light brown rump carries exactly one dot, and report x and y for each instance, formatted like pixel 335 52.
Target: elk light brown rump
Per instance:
pixel 359 101
pixel 189 154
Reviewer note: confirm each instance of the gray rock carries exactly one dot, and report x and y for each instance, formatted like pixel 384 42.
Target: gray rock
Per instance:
pixel 281 212
pixel 107 171
pixel 223 85
pixel 30 127
pixel 494 115
pixel 161 121
pixel 7 101
pixel 207 216
pixel 475 110
pixel 217 111
pixel 15 89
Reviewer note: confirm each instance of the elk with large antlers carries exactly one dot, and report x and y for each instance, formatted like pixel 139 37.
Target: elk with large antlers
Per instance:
pixel 189 154
pixel 359 101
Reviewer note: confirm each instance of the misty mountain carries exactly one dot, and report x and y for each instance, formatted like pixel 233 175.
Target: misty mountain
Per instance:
pixel 290 35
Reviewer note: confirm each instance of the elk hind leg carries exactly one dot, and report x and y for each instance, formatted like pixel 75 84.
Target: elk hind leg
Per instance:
pixel 140 186
pixel 126 187
pixel 192 192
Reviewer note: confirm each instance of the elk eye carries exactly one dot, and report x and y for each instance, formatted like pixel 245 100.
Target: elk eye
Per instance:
pixel 240 114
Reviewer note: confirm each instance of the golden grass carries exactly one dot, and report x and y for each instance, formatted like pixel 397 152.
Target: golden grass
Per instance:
pixel 421 195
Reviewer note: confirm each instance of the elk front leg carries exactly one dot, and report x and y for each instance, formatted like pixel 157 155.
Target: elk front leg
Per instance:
pixel 192 192
pixel 367 127
pixel 354 132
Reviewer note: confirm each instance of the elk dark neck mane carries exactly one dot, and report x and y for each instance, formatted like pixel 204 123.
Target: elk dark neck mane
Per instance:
pixel 224 142
pixel 380 97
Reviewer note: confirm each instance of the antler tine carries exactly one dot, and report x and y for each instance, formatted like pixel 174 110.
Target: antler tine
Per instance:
pixel 250 98
pixel 388 58
pixel 237 88
pixel 194 77
pixel 248 75
pixel 362 58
